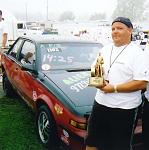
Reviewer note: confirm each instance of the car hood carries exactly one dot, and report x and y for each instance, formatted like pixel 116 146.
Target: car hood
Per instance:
pixel 75 86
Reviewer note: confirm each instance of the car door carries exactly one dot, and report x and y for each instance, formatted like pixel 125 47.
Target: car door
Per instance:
pixel 11 61
pixel 25 80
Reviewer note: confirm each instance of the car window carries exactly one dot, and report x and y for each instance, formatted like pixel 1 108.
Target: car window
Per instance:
pixel 27 54
pixel 15 48
pixel 67 55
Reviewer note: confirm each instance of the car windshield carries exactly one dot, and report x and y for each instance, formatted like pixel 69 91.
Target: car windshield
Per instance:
pixel 68 55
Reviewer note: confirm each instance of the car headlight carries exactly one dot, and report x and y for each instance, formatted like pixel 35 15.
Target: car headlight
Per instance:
pixel 78 125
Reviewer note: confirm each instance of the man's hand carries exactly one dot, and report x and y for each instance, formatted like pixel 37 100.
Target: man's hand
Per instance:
pixel 107 88
pixel 104 84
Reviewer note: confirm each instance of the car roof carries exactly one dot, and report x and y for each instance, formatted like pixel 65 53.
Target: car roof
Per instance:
pixel 57 39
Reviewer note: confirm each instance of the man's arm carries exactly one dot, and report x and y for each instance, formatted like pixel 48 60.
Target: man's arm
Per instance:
pixel 131 86
pixel 4 40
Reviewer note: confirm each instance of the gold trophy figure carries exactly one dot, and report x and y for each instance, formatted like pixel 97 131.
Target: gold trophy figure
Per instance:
pixel 96 78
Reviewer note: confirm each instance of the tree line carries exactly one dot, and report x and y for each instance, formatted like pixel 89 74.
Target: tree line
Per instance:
pixel 136 10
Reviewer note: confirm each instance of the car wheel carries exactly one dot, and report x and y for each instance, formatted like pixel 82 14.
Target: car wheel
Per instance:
pixel 7 87
pixel 47 128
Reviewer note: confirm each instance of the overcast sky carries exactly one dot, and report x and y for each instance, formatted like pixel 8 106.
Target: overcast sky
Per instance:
pixel 78 7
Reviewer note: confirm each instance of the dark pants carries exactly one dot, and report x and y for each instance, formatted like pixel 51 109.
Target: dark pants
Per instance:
pixel 145 124
pixel 110 128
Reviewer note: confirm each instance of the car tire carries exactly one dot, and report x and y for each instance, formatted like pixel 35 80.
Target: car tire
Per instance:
pixel 7 86
pixel 47 128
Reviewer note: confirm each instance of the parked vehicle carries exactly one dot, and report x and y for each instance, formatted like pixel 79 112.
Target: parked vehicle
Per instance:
pixel 29 28
pixel 51 75
pixel 50 31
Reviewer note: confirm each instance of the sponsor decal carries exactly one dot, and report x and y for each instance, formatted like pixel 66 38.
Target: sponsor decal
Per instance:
pixel 77 82
pixel 65 133
pixel 65 137
pixel 65 140
pixel 58 109
pixel 77 87
pixel 46 67
pixel 75 78
pixel 34 95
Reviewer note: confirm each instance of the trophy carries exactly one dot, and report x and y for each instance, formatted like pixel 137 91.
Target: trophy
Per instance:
pixel 96 78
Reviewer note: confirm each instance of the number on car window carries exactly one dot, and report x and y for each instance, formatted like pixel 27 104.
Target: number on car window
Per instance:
pixel 54 58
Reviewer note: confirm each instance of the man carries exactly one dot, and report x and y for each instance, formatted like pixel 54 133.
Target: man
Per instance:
pixel 3 32
pixel 145 120
pixel 145 114
pixel 3 38
pixel 126 74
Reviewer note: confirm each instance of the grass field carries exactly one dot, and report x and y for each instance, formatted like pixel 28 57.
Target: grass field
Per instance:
pixel 17 126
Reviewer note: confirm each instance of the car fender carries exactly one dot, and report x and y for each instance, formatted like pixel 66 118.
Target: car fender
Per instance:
pixel 45 100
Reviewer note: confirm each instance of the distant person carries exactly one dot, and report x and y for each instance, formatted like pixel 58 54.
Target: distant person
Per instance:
pixel 111 123
pixel 85 35
pixel 3 38
pixel 145 112
pixel 145 120
pixel 3 32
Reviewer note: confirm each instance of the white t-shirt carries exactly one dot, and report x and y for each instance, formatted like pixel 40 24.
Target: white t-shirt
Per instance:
pixel 3 29
pixel 129 65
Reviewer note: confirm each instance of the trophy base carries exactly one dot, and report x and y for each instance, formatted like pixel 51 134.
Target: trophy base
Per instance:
pixel 96 81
